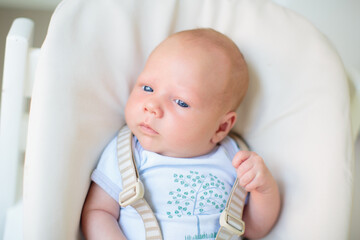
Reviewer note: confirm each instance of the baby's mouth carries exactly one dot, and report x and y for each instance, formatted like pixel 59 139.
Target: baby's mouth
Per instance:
pixel 145 128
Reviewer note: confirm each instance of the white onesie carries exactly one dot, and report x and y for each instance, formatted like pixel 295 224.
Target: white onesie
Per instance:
pixel 186 195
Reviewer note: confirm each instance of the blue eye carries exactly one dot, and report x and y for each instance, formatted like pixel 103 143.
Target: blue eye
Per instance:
pixel 147 89
pixel 181 103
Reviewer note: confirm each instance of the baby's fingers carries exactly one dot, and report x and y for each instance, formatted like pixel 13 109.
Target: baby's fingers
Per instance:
pixel 258 182
pixel 247 179
pixel 240 157
pixel 254 184
pixel 244 167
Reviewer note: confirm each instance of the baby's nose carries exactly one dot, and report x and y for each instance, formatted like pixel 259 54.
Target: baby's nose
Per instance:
pixel 154 108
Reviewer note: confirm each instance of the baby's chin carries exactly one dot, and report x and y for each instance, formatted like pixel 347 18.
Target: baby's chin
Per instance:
pixel 155 148
pixel 159 145
pixel 151 146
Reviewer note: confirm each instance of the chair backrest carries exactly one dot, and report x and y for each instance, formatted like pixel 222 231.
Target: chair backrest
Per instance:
pixel 19 70
pixel 296 113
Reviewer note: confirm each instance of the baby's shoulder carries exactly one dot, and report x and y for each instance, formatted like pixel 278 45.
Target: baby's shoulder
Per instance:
pixel 230 146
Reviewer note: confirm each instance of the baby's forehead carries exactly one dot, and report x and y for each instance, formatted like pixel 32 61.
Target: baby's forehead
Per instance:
pixel 212 45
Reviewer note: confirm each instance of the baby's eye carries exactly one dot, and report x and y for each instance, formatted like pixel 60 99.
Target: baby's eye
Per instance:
pixel 147 88
pixel 181 103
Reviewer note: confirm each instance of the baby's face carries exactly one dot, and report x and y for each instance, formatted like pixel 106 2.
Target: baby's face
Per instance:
pixel 177 102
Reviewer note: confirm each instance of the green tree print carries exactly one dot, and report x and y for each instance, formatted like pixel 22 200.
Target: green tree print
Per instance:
pixel 197 194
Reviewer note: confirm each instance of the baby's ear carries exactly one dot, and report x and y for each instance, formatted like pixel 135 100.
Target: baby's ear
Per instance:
pixel 224 128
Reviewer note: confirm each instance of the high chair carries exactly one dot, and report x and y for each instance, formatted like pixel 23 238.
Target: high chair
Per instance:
pixel 19 71
pixel 298 113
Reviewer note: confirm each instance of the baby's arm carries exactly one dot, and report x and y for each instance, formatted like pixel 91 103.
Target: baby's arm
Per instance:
pixel 99 218
pixel 262 210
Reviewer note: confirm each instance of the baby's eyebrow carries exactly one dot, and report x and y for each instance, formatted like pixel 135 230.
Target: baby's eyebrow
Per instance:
pixel 141 82
pixel 144 78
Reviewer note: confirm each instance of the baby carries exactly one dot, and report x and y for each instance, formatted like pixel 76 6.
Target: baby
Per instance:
pixel 180 112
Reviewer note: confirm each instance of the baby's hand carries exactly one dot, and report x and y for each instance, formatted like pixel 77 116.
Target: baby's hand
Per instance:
pixel 252 172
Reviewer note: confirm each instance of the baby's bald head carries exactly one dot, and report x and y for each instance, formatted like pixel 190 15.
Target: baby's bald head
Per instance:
pixel 231 63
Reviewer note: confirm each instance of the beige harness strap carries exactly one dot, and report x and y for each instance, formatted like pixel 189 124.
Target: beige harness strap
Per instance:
pixel 231 223
pixel 133 194
pixel 230 219
pixel 133 189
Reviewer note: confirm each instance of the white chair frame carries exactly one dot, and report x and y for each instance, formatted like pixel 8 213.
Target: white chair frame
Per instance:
pixel 19 70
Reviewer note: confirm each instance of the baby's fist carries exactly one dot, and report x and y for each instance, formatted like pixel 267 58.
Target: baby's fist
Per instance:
pixel 252 172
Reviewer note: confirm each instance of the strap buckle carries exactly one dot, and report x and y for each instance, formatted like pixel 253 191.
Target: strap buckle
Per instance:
pixel 131 194
pixel 231 223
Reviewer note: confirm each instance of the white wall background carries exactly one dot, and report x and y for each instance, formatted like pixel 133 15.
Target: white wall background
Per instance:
pixel 339 20
pixel 30 4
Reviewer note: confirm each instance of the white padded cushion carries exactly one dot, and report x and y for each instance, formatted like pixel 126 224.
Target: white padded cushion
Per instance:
pixel 295 115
